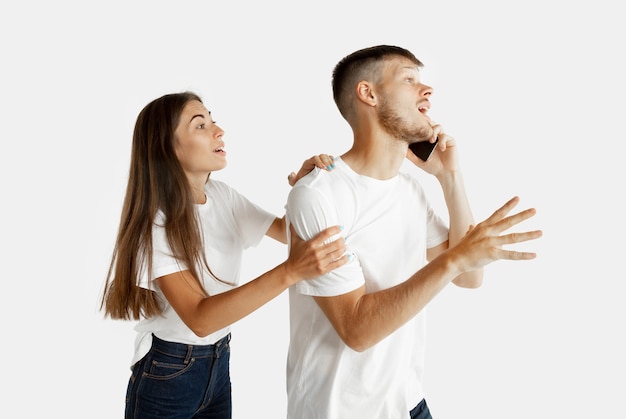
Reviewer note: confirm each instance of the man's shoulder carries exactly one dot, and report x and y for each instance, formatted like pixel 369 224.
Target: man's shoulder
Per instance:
pixel 319 183
pixel 322 178
pixel 321 191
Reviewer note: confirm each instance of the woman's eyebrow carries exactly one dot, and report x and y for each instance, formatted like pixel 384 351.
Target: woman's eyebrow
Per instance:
pixel 198 115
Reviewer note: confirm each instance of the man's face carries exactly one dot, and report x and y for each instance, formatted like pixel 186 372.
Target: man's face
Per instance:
pixel 403 102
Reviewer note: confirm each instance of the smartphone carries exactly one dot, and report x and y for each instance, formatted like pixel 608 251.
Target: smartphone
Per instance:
pixel 423 149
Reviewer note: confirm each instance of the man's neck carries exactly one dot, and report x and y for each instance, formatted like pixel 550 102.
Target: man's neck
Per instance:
pixel 378 158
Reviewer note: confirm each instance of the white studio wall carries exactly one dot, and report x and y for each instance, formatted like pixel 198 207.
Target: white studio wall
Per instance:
pixel 533 92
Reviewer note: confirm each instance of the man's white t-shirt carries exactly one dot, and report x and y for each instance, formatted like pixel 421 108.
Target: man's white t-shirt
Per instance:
pixel 230 223
pixel 387 226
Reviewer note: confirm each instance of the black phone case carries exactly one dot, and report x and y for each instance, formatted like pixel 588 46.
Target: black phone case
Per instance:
pixel 423 149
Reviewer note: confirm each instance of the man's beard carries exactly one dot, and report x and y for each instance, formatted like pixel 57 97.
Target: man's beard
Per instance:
pixel 398 127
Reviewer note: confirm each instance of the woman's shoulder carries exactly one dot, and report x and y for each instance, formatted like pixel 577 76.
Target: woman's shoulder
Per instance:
pixel 219 186
pixel 220 189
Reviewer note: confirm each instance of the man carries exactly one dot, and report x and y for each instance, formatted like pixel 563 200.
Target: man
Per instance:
pixel 357 333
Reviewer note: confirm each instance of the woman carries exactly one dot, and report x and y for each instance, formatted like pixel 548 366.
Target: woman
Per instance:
pixel 176 262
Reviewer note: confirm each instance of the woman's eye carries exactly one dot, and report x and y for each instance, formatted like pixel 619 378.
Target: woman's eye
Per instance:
pixel 201 126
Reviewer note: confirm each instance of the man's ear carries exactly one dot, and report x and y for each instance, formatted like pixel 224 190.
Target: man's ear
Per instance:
pixel 365 93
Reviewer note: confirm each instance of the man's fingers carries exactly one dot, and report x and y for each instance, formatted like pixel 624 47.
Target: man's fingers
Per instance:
pixel 508 222
pixel 501 212
pixel 515 255
pixel 499 221
pixel 513 238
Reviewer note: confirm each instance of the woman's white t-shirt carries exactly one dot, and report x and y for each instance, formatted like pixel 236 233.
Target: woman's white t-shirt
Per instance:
pixel 230 223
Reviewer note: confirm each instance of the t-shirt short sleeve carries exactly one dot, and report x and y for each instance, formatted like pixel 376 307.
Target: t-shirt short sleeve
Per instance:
pixel 310 212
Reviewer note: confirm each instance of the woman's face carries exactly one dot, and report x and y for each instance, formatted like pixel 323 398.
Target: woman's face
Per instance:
pixel 199 146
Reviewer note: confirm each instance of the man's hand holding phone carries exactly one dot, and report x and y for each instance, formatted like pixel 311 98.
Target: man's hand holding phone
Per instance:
pixel 438 157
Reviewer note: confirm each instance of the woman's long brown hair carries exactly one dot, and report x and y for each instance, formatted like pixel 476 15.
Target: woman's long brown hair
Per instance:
pixel 156 182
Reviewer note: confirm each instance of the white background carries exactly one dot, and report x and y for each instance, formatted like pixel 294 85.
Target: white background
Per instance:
pixel 533 92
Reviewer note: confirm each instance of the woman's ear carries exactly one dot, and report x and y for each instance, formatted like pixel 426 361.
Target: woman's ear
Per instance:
pixel 365 93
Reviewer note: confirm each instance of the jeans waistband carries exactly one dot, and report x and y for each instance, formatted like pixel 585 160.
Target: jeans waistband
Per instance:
pixel 186 351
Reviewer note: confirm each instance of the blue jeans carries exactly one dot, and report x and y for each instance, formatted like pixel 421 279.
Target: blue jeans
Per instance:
pixel 180 381
pixel 421 411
